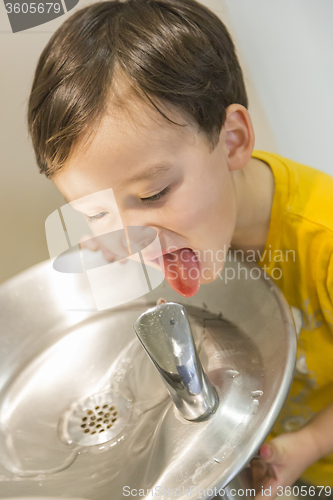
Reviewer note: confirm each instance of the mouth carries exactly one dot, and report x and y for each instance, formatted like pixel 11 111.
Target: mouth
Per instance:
pixel 181 270
pixel 157 256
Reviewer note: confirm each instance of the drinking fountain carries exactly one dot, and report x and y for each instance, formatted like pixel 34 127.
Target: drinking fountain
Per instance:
pixel 165 333
pixel 85 412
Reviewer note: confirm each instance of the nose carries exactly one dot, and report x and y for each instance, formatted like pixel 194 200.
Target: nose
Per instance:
pixel 140 221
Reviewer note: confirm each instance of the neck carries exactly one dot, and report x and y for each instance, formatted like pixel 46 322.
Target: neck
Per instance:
pixel 254 187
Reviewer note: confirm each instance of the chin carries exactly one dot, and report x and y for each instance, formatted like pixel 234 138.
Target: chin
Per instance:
pixel 210 275
pixel 205 281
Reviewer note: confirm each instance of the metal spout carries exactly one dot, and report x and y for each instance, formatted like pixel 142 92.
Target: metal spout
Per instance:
pixel 166 335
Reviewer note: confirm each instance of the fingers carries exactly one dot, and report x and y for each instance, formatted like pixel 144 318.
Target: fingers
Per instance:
pixel 268 490
pixel 259 469
pixel 285 456
pixel 261 472
pixel 264 476
pixel 272 452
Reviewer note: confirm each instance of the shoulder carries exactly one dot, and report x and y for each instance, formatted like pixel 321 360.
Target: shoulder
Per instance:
pixel 312 196
pixel 308 191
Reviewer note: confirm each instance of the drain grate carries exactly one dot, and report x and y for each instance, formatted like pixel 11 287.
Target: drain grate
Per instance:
pixel 98 419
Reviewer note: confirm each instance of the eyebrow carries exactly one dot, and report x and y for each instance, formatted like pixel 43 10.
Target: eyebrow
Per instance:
pixel 150 172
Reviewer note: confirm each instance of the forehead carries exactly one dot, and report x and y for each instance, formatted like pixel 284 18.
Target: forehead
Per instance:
pixel 125 142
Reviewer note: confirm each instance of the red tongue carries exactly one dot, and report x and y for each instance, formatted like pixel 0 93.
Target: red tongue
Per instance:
pixel 182 271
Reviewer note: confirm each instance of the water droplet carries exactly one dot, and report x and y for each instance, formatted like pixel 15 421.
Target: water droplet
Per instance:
pixel 256 394
pixel 217 460
pixel 232 373
pixel 255 405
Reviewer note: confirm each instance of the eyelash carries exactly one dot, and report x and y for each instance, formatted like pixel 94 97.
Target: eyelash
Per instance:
pixel 93 218
pixel 156 196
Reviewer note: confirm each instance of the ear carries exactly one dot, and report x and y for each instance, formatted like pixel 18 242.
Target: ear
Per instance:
pixel 239 136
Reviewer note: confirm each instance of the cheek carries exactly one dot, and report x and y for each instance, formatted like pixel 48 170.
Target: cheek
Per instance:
pixel 105 225
pixel 193 213
pixel 212 203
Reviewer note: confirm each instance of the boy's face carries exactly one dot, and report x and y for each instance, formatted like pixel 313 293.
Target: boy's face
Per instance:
pixel 196 207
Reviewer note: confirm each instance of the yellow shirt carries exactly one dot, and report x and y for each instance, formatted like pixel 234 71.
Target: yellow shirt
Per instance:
pixel 298 255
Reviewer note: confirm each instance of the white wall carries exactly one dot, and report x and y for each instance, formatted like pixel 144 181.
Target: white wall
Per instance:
pixel 288 48
pixel 285 48
pixel 26 197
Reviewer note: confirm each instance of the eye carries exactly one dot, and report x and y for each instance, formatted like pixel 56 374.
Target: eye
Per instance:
pixel 156 196
pixel 93 218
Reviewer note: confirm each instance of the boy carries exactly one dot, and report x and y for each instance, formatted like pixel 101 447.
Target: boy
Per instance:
pixel 147 97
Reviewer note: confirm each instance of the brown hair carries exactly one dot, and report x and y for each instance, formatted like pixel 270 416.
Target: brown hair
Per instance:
pixel 173 52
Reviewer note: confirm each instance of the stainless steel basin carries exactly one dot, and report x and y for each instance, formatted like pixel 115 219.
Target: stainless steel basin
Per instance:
pixel 83 410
